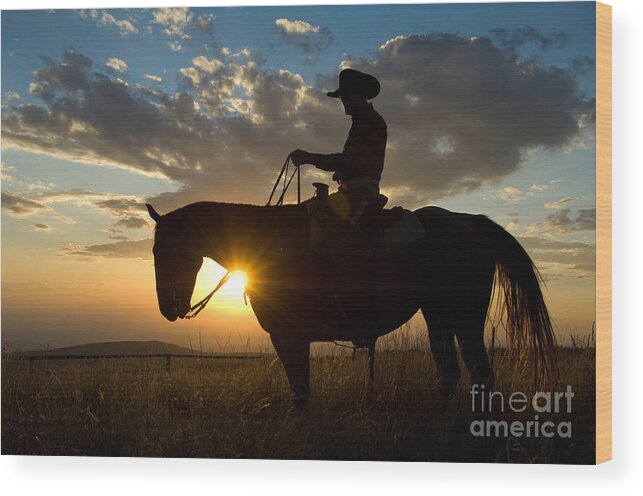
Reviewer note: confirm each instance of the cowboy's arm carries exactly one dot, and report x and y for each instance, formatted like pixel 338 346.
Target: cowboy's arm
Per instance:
pixel 330 162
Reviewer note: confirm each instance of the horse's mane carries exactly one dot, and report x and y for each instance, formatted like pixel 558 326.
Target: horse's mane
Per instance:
pixel 210 207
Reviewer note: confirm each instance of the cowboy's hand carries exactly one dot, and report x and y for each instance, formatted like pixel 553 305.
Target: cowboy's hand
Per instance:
pixel 299 157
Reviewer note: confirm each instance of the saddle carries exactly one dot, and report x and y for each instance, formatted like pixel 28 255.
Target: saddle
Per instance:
pixel 364 229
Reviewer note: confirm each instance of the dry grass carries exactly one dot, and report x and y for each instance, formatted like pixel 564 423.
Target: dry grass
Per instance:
pixel 241 409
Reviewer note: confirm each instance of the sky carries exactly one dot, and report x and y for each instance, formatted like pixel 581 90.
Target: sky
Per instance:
pixel 490 109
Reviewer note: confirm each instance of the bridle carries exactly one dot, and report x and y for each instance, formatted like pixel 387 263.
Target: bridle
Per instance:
pixel 197 307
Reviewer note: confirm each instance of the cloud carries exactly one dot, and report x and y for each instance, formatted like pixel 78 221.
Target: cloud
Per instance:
pixel 64 219
pixel 41 227
pixel 12 95
pixel 519 38
pixel 539 188
pixel 582 65
pixel 455 109
pixel 91 118
pixel 117 65
pixel 19 206
pixel 205 23
pixel 511 194
pixel 585 219
pixel 104 18
pixel 175 46
pixel 491 106
pixel 125 210
pixel 132 223
pixel 205 65
pixel 177 21
pixel 559 203
pixel 153 77
pixel 172 16
pixel 296 27
pixel 125 26
pixel 121 206
pixel 128 212
pixel 311 39
pixel 557 259
pixel 120 249
pixel 560 222
pixel 5 172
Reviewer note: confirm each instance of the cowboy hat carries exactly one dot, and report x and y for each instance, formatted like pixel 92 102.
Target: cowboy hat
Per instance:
pixel 356 82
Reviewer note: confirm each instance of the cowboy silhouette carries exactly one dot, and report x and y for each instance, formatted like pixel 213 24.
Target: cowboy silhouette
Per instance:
pixel 358 167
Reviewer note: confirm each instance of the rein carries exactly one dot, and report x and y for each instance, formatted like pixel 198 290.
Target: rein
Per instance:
pixel 286 183
pixel 197 307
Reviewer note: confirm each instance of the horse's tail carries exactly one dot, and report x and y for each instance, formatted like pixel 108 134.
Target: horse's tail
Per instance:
pixel 529 327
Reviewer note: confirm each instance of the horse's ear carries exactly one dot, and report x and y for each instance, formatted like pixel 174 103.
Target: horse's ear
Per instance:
pixel 153 213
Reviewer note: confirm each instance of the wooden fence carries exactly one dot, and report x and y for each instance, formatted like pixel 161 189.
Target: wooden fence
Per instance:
pixel 167 356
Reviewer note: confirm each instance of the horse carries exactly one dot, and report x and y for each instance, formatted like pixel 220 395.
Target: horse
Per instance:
pixel 451 275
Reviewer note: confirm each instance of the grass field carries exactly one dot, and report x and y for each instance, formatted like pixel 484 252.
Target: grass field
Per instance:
pixel 241 409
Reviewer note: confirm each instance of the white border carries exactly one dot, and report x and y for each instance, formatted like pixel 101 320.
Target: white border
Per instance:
pixel 110 476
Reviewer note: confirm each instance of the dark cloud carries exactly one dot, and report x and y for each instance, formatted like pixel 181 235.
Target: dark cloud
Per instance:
pixel 561 222
pixel 91 117
pixel 311 39
pixel 515 39
pixel 205 23
pixel 558 259
pixel 132 223
pixel 121 206
pixel 17 205
pixel 585 219
pixel 124 209
pixel 120 249
pixel 460 112
pixel 482 99
pixel 582 65
pixel 41 227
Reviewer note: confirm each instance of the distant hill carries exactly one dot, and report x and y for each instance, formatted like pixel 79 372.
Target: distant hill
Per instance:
pixel 118 348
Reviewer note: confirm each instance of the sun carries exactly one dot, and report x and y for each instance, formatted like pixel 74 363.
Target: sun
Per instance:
pixel 210 275
pixel 237 282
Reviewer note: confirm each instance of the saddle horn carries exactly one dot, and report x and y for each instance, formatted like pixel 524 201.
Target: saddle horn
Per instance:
pixel 153 213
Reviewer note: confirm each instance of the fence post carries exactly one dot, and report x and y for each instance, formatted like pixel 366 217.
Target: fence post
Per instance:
pixel 167 362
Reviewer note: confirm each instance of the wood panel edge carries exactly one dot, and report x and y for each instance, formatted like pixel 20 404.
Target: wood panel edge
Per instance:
pixel 603 232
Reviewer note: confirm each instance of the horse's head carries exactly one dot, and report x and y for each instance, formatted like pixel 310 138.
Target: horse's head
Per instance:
pixel 176 264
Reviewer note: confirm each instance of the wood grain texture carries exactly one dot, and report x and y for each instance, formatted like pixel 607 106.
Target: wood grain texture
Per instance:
pixel 603 232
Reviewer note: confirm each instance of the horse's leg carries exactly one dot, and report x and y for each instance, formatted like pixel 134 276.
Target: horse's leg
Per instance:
pixel 476 359
pixel 294 354
pixel 442 341
pixel 470 332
